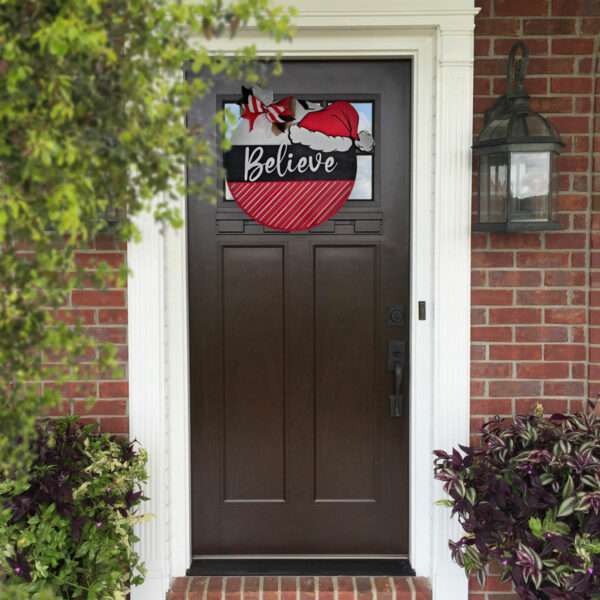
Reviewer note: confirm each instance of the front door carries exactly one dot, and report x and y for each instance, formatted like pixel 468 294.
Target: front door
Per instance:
pixel 299 346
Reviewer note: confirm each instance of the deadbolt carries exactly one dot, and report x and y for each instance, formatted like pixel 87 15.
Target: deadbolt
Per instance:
pixel 395 315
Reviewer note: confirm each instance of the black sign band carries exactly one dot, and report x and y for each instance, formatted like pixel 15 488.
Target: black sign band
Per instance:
pixel 293 162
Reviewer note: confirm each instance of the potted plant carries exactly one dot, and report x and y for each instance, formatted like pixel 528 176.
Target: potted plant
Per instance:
pixel 67 528
pixel 529 498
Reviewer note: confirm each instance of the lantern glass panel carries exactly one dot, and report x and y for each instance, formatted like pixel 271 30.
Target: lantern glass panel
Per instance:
pixel 493 169
pixel 530 186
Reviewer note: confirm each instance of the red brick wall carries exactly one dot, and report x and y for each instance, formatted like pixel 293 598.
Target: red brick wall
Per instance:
pixel 104 313
pixel 536 314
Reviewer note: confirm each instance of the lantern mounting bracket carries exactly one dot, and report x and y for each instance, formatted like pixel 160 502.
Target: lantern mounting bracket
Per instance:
pixel 516 70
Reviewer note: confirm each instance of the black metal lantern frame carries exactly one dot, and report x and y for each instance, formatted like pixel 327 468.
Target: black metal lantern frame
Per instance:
pixel 517 151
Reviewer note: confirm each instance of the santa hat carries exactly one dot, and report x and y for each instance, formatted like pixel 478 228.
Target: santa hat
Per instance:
pixel 331 129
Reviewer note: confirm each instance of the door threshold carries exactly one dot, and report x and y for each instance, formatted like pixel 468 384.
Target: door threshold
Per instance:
pixel 237 567
pixel 298 556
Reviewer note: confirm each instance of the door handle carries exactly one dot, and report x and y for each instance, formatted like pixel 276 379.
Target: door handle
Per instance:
pixel 396 352
pixel 396 399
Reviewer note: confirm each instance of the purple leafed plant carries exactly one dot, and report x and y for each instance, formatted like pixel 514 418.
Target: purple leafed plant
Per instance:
pixel 67 527
pixel 529 498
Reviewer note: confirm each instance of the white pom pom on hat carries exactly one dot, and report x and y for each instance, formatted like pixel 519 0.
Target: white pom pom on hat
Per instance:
pixel 365 141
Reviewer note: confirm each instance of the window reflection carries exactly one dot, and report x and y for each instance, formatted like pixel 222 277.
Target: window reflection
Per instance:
pixel 231 126
pixel 530 184
pixel 365 115
pixel 363 186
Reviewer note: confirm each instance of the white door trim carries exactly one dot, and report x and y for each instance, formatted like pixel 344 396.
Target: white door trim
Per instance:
pixel 439 40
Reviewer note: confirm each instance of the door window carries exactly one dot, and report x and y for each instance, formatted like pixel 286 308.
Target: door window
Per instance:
pixel 363 189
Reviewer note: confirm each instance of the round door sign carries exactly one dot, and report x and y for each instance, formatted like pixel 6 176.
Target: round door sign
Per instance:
pixel 292 163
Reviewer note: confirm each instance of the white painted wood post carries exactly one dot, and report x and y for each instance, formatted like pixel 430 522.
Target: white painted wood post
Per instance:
pixel 452 281
pixel 147 400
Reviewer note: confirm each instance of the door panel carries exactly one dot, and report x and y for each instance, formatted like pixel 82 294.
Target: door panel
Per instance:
pixel 253 373
pixel 294 449
pixel 345 336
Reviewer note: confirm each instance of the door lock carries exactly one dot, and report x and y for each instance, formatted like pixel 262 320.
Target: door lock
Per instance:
pixel 394 315
pixel 396 356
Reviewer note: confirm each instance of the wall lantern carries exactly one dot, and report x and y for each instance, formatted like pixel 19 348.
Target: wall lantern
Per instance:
pixel 517 151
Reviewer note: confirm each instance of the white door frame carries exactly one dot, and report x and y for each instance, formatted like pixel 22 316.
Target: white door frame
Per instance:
pixel 438 36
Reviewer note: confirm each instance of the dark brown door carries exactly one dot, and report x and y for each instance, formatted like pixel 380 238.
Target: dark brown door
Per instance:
pixel 294 447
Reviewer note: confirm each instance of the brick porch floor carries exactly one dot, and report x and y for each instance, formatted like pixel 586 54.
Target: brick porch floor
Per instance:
pixel 299 588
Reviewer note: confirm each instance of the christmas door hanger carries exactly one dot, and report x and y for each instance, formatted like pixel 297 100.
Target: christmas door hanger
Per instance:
pixel 292 164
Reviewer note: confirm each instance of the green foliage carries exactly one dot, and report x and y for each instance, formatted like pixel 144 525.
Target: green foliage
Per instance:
pixel 20 592
pixel 549 526
pixel 68 528
pixel 528 498
pixel 92 123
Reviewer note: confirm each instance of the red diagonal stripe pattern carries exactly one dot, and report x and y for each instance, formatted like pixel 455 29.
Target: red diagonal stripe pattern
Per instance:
pixel 291 205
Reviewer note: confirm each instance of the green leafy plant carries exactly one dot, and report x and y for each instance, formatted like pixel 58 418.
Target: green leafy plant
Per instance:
pixel 93 132
pixel 529 499
pixel 67 528
pixel 92 125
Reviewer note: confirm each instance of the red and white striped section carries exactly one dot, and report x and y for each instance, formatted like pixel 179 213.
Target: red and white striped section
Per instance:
pixel 291 205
